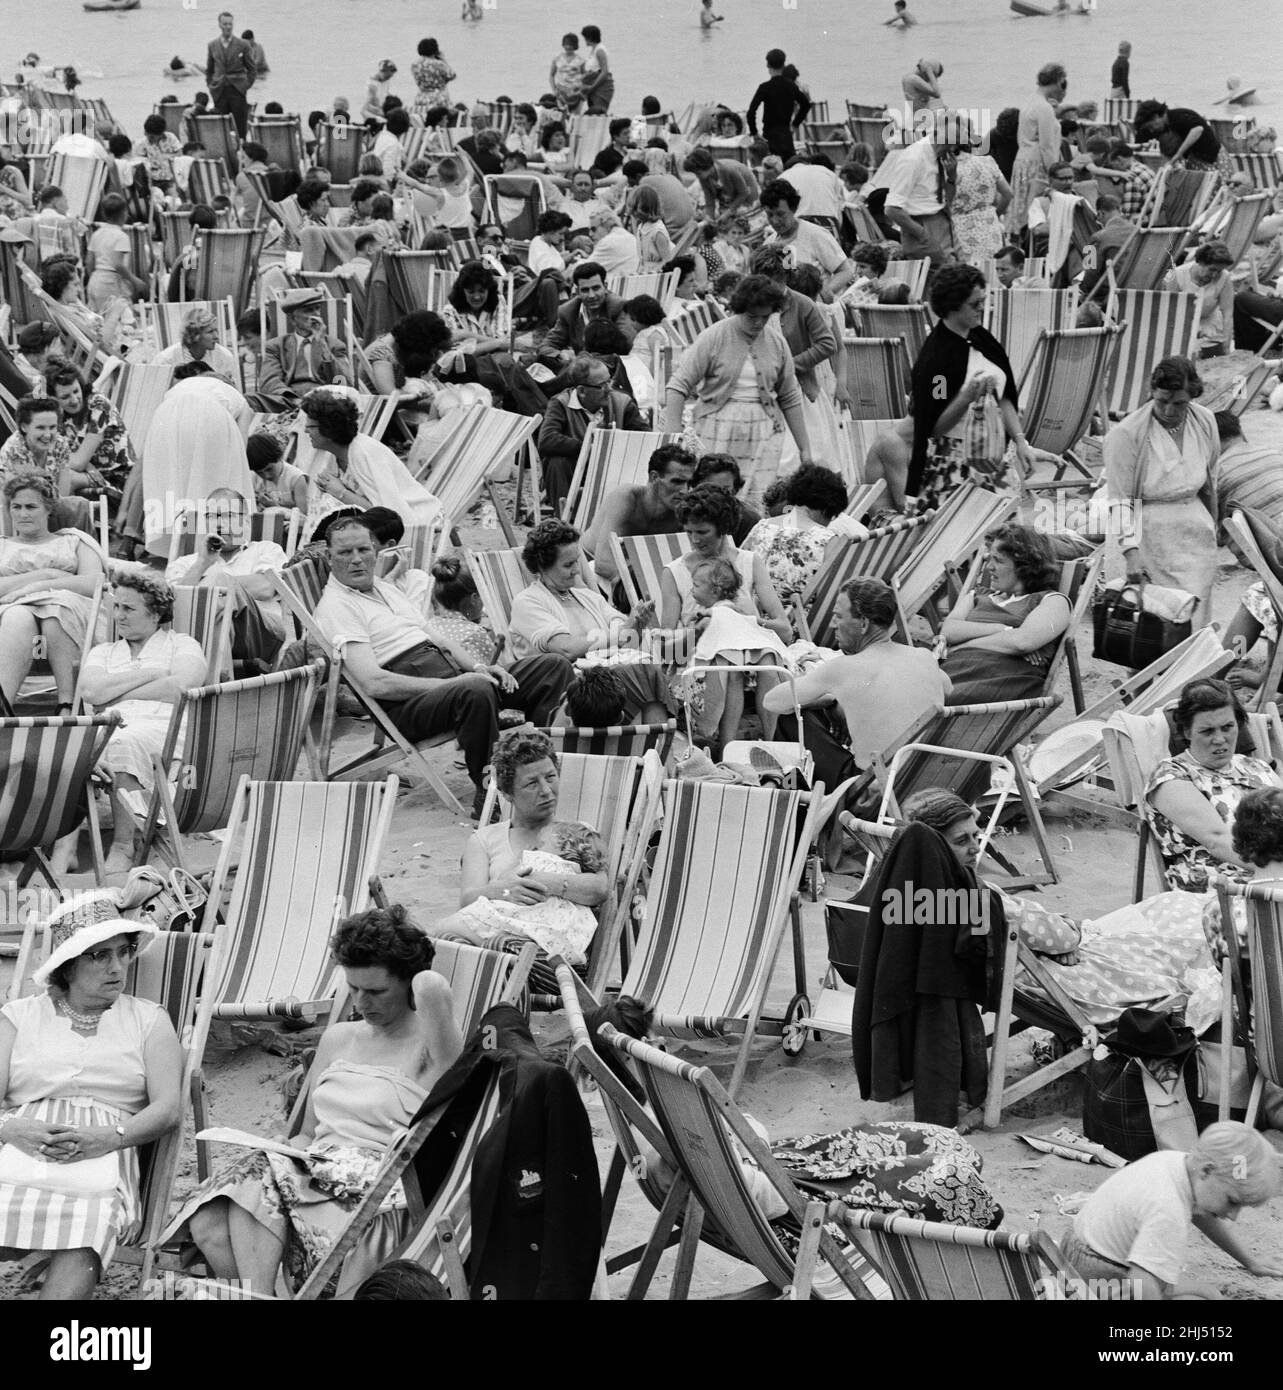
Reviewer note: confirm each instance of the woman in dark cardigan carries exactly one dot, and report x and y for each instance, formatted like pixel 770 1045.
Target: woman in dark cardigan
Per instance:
pixel 962 382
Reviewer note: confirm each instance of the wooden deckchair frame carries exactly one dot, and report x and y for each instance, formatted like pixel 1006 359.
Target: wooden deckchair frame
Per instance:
pixel 281 137
pixel 1062 388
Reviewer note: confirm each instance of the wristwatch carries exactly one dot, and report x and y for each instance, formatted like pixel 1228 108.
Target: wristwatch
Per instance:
pixel 120 1134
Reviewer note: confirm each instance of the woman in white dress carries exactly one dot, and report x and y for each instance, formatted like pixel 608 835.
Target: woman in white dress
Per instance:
pixel 141 675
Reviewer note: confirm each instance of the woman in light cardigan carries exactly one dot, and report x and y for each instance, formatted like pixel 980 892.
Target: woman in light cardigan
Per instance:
pixel 743 373
pixel 1038 145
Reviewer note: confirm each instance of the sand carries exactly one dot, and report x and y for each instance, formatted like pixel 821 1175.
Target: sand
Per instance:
pixel 815 1092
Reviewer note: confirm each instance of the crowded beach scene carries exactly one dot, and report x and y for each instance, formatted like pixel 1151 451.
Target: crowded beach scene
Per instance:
pixel 640 652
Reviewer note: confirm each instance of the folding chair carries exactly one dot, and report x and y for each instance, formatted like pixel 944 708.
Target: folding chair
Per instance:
pixel 499 576
pixel 1242 390
pixel 609 459
pixel 83 181
pixel 1238 226
pixel 176 235
pixel 218 134
pixel 1062 388
pixel 589 135
pixel 661 286
pixel 339 147
pixel 1115 109
pixel 909 322
pixel 136 390
pixel 281 137
pixel 872 376
pixel 1265 170
pixel 227 263
pixel 205 614
pixel 252 728
pixel 931 1261
pixel 868 127
pixel 707 947
pixel 1145 258
pixel 516 202
pixel 1155 324
pixel 18 295
pixel 300 591
pixel 640 562
pixel 688 322
pixel 618 741
pixel 912 272
pixel 1179 197
pixel 207 179
pixel 1017 319
pixel 412 280
pixel 174 114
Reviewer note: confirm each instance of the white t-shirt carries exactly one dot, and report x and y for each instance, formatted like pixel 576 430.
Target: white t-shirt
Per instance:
pixel 386 619
pixel 617 252
pixel 388 149
pixel 256 557
pixel 540 256
pixel 1141 1215
pixel 819 188
pixel 812 245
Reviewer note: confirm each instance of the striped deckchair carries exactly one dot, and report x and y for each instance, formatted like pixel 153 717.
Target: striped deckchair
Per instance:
pixel 1265 170
pixel 480 978
pixel 337 311
pixel 1239 530
pixel 281 137
pixel 280 525
pixel 618 741
pixel 1063 387
pixel 164 322
pixel 499 576
pixel 1243 388
pixel 1236 225
pixel 515 202
pixel 911 322
pixel 866 498
pixel 83 180
pixel 18 294
pixel 640 562
pixel 300 588
pixel 958 747
pixel 252 728
pixel 1144 260
pixel 207 179
pixel 136 390
pixel 931 1261
pixel 1264 1043
pixel 879 556
pixel 872 376
pixel 1115 109
pixel 609 459
pixel 339 147
pixel 410 278
pixel 176 235
pixel 205 613
pixel 218 134
pixel 1178 197
pixel 174 114
pixel 912 272
pixel 227 264
pixel 705 1134
pixel 950 539
pixel 589 135
pixel 457 468
pixel 856 438
pixel 1155 324
pixel 1017 318
pixel 691 319
pixel 662 286
pixel 708 943
pixel 868 127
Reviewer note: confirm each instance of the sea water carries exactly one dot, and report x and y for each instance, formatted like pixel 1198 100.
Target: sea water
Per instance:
pixel 1183 50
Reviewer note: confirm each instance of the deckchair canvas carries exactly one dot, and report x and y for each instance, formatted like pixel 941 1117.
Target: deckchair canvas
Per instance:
pixel 136 390
pixel 164 322
pixel 1017 318
pixel 691 319
pixel 911 272
pixel 218 134
pixel 1155 324
pixel 952 536
pixel 456 463
pixel 617 741
pixel 1144 259
pixel 856 438
pixel 339 147
pixel 909 322
pixel 1063 387
pixel 872 376
pixel 609 459
pixel 411 279
pixel 1265 170
pixel 640 562
pixel 83 180
pixel 281 137
pixel 1264 907
pixel 227 263
pixel 661 286
pixel 515 202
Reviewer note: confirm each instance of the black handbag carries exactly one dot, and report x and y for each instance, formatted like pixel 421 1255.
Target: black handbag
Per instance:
pixel 1123 633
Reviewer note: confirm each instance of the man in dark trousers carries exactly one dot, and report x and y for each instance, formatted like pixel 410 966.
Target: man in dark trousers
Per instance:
pixel 783 107
pixel 230 73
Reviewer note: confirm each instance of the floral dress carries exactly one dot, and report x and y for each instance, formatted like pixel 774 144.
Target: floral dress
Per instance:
pixel 431 76
pixel 1187 862
pixel 113 457
pixel 793 556
pixel 977 232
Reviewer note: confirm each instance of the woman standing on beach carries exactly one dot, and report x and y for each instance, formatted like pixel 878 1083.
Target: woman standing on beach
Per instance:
pixel 432 75
pixel 982 196
pixel 1038 145
pixel 599 81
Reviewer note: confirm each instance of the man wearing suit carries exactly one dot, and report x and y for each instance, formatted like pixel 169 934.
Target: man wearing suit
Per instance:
pixel 566 337
pixel 305 357
pixel 230 73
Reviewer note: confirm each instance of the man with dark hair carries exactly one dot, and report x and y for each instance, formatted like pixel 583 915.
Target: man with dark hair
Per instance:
pixel 783 104
pixel 877 688
pixel 611 159
pixel 640 511
pixel 426 684
pixel 591 300
pixel 721 470
pixel 595 700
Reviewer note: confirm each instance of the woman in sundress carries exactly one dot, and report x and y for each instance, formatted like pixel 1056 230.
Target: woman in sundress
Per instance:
pixel 432 75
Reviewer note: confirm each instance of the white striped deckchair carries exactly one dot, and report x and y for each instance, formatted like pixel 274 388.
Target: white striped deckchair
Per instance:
pixel 951 537
pixel 253 728
pixel 300 588
pixel 931 1261
pixel 280 525
pixel 82 351
pixel 480 978
pixel 207 179
pixel 83 181
pixel 1155 324
pixel 456 467
pixel 912 272
pixel 227 264
pixel 1265 170
pixel 662 286
pixel 410 278
pixel 1115 109
pixel 515 202
pixel 176 235
pixel 589 135
pixel 499 576
pixel 136 390
pixel 339 148
pixel 856 438
pixel 375 415
pixel 706 1133
pixel 1239 530
pixel 1144 260
pixel 911 322
pixel 164 322
pixel 708 944
pixel 691 318
pixel 861 225
pixel 872 376
pixel 640 562
pixel 879 556
pixel 281 137
pixel 609 459
pixel 1063 387
pixel 866 498
pixel 1017 318
pixel 617 741
pixel 218 134
pixel 1242 389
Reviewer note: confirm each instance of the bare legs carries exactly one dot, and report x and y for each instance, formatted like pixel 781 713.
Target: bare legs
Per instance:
pixel 62 655
pixel 888 461
pixel 71 1275
pixel 18 635
pixel 236 1245
pixel 124 825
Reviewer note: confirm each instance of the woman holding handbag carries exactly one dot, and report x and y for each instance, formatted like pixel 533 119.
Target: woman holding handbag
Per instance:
pixel 1162 459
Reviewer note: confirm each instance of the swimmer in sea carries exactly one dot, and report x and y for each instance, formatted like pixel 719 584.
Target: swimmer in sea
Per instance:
pixel 902 18
pixel 178 69
pixel 471 11
pixel 706 16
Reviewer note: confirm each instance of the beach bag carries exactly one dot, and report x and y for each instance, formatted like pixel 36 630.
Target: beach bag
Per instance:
pixel 175 902
pixel 1125 634
pixel 1214 1056
pixel 1138 1086
pixel 984 441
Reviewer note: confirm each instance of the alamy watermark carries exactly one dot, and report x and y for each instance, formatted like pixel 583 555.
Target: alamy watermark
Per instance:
pixel 85 1342
pixel 32 128
pixel 909 905
pixel 1120 1290
pixel 1094 515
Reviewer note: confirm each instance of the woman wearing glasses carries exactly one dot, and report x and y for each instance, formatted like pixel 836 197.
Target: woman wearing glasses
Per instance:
pixel 88 1074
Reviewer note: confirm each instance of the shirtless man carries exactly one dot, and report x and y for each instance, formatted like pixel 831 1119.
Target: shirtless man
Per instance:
pixel 880 686
pixel 902 19
pixel 641 511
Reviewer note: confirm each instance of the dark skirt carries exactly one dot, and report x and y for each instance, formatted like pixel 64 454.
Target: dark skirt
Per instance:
pixel 979 676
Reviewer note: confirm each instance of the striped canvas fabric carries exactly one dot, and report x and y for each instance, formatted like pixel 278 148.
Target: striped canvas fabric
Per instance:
pixel 662 285
pixel 1017 318
pixel 339 149
pixel 619 741
pixel 708 943
pixel 1155 324
pixel 1115 109
pixel 136 390
pixel 872 377
pixel 45 765
pixel 204 612
pixel 868 130
pixel 499 576
pixel 641 561
pixel 516 202
pixel 375 416
pixel 309 849
pixel 306 581
pixel 857 438
pixel 475 442
pixel 281 137
pixel 1244 387
pixel 880 556
pixel 410 278
pixel 165 321
pixel 953 534
pixel 913 273
pixel 227 264
pixel 1148 256
pixel 83 181
pixel 1265 951
pixel 607 460
pixel 1181 196
pixel 1063 385
pixel 217 133
pixel 911 322
pixel 1236 226
pixel 207 179
pixel 479 979
pixel 1265 170
pixel 866 498
pixel 693 318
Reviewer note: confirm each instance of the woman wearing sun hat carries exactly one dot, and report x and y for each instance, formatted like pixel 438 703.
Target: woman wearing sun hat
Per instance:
pixel 88 1074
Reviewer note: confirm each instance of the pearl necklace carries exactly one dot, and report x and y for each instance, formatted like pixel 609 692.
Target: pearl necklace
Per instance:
pixel 79 1020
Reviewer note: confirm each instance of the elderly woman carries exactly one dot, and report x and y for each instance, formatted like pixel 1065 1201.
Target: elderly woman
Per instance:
pixel 1002 637
pixel 47 579
pixel 589 400
pixel 794 545
pixel 360 471
pixel 110 258
pixel 88 1074
pixel 558 614
pixel 742 372
pixel 965 404
pixel 142 675
pixel 198 342
pixel 1038 144
pixel 1207 277
pixel 269 1212
pixel 530 876
pixel 1164 456
pixel 1191 798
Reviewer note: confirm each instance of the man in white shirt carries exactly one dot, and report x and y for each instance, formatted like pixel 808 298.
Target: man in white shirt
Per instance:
pixel 583 201
pixel 881 687
pixel 614 246
pixel 808 244
pixel 426 685
pixel 819 189
pixel 916 198
pixel 387 143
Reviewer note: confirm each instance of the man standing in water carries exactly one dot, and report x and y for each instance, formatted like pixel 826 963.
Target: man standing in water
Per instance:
pixel 230 73
pixel 902 19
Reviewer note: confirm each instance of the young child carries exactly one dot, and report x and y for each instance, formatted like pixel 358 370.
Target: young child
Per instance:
pixel 1136 1224
pixel 654 245
pixel 731 231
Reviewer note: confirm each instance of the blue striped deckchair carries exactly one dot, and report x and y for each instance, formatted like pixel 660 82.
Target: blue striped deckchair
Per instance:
pixel 872 376
pixel 879 556
pixel 952 536
pixel 218 134
pixel 706 1133
pixel 251 728
pixel 931 1261
pixel 227 264
pixel 911 322
pixel 709 942
pixel 912 272
pixel 1265 170
pixel 609 459
pixel 1264 1042
pixel 618 741
pixel 1017 318
pixel 640 562
pixel 1063 387
pixel 1155 324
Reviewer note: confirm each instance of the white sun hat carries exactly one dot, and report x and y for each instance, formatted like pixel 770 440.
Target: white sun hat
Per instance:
pixel 85 921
